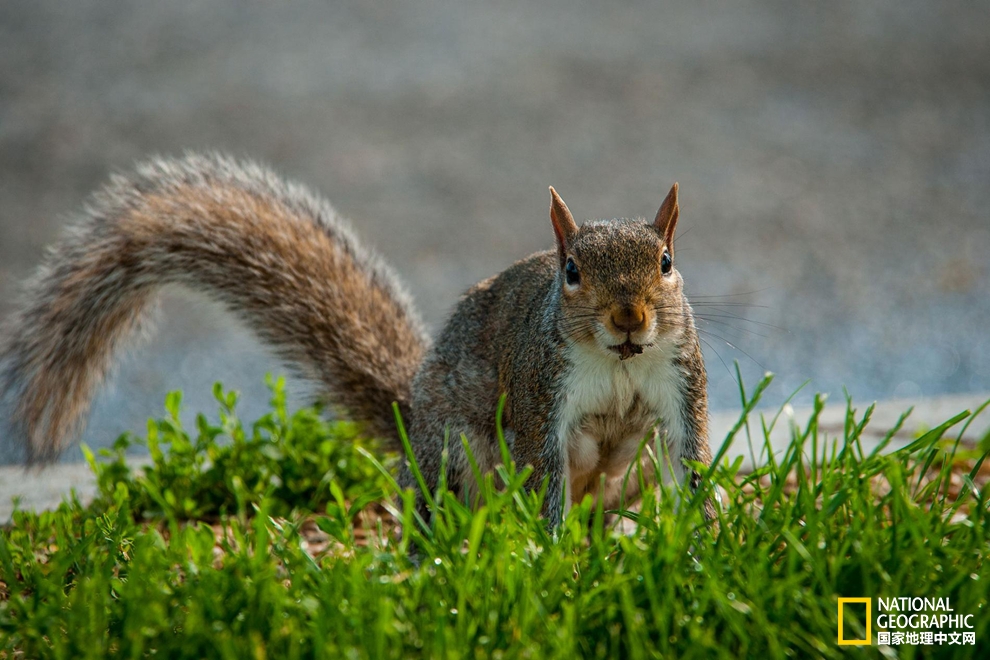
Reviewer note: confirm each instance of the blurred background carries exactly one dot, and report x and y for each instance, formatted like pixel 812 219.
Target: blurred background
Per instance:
pixel 834 162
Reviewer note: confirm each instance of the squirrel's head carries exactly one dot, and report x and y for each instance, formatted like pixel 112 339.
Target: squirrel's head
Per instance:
pixel 619 289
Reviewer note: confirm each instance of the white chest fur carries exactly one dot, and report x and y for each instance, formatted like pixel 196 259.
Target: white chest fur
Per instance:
pixel 626 397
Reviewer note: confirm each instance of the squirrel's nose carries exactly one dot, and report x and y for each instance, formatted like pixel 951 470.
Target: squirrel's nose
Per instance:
pixel 629 318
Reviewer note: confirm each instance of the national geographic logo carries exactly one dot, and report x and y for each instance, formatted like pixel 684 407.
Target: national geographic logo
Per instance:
pixel 903 620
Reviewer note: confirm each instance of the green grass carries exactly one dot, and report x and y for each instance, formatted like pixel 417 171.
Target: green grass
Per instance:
pixel 204 554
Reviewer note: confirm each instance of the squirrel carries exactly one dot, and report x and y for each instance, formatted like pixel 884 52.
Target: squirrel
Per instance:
pixel 592 343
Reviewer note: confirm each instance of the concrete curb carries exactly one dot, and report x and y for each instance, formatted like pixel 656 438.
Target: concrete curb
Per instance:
pixel 927 413
pixel 44 489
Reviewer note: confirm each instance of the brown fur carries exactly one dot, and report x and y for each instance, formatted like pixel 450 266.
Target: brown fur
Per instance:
pixel 285 264
pixel 509 334
pixel 274 254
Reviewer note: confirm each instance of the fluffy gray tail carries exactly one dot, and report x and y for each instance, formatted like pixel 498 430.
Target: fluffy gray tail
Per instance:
pixel 270 251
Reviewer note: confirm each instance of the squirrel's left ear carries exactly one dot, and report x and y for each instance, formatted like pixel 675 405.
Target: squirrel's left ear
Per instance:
pixel 564 227
pixel 666 219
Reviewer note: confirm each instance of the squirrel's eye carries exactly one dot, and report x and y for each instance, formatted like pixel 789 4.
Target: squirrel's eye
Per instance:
pixel 666 262
pixel 571 273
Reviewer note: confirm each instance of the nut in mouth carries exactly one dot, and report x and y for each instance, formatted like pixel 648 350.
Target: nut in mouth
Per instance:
pixel 627 349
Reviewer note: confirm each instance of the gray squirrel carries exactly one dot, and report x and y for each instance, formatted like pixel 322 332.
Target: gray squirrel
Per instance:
pixel 592 343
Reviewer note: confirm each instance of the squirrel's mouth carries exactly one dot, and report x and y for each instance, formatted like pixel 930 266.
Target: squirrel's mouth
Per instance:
pixel 627 349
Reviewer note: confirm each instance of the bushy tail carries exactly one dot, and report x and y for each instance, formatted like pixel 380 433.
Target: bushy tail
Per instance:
pixel 270 251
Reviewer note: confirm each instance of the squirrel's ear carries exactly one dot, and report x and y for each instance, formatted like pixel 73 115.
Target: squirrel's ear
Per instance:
pixel 563 224
pixel 666 219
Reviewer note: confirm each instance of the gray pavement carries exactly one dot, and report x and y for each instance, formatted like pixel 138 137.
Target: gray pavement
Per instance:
pixel 833 158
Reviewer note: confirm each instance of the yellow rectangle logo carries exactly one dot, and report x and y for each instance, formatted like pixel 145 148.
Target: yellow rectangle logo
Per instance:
pixel 869 622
